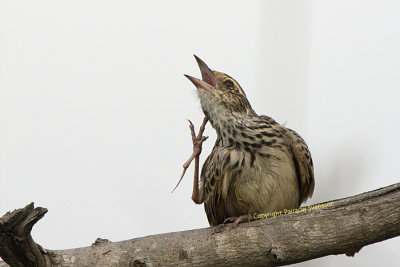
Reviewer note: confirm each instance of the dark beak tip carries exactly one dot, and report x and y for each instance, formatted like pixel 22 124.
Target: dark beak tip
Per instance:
pixel 192 79
pixel 200 62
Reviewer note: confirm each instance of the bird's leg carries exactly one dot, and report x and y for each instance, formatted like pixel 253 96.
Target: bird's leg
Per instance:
pixel 236 220
pixel 197 147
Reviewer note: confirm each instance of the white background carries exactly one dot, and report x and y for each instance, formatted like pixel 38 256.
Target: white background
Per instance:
pixel 93 105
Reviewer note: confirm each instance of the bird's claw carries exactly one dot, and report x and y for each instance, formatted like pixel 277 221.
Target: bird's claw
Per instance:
pixel 236 220
pixel 197 146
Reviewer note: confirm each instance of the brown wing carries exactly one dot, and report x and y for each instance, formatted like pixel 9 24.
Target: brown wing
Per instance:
pixel 303 164
pixel 211 188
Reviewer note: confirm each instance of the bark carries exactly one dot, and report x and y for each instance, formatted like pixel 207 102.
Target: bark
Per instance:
pixel 16 244
pixel 286 237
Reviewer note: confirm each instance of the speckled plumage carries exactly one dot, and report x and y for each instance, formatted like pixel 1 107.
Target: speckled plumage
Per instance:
pixel 256 165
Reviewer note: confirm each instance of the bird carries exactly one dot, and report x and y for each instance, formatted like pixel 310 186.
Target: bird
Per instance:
pixel 256 166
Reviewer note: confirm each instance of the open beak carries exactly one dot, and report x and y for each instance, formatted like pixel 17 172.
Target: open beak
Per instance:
pixel 208 81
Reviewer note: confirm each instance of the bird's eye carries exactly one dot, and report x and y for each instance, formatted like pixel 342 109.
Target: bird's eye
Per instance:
pixel 228 83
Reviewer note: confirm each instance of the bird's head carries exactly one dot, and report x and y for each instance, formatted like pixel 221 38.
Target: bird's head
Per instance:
pixel 221 97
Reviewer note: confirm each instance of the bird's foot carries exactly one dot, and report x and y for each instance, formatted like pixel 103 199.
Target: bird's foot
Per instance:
pixel 236 220
pixel 197 141
pixel 197 146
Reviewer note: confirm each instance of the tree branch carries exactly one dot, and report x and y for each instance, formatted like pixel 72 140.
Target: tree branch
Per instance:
pixel 331 228
pixel 16 244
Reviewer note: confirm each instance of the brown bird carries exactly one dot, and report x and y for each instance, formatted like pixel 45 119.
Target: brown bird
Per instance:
pixel 256 165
